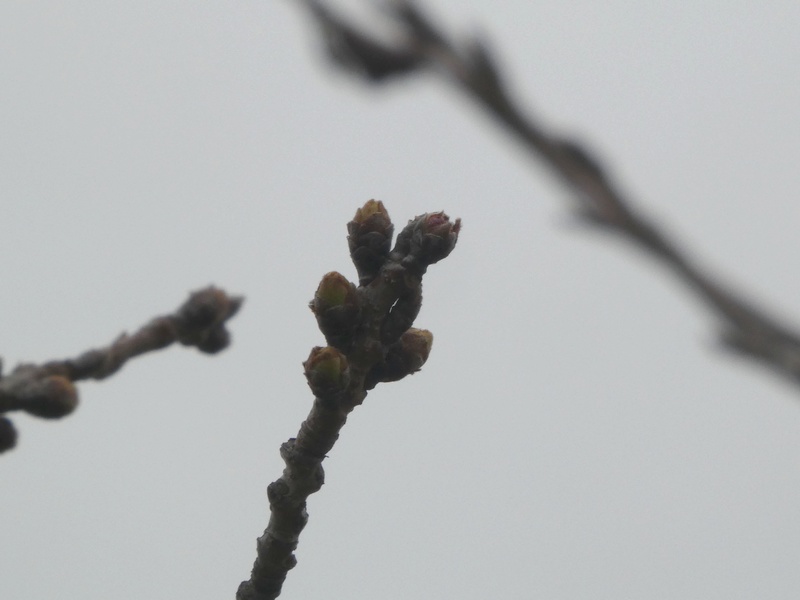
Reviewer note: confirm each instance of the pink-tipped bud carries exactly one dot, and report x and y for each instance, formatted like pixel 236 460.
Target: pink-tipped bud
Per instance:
pixel 438 224
pixel 426 240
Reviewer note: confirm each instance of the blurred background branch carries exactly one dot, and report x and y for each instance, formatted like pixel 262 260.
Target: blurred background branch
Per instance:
pixel 47 390
pixel 469 65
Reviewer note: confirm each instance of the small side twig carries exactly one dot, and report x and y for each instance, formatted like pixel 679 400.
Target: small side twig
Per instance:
pixel 47 390
pixel 370 340
pixel 470 66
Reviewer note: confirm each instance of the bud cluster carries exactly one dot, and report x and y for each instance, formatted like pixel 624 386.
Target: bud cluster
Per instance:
pixel 370 340
pixel 369 328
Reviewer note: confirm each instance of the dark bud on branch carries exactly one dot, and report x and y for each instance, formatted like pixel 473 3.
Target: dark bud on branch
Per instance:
pixel 426 240
pixel 327 372
pixel 48 397
pixel 337 308
pixel 369 236
pixel 200 322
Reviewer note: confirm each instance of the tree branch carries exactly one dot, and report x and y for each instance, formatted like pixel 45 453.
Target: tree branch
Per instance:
pixel 370 340
pixel 47 390
pixel 746 328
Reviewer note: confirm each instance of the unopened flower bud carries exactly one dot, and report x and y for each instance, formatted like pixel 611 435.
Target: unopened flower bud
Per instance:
pixel 336 305
pixel 438 237
pixel 334 291
pixel 415 345
pixel 426 240
pixel 327 372
pixel 406 357
pixel 369 236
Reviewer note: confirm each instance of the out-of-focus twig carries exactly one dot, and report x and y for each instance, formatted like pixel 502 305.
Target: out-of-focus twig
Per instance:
pixel 421 45
pixel 47 390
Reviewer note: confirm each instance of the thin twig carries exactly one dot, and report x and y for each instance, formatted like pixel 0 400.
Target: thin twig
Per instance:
pixel 47 390
pixel 421 45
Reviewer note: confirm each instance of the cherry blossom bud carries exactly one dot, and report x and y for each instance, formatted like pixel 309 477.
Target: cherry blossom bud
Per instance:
pixel 369 237
pixel 426 240
pixel 337 306
pixel 406 357
pixel 327 372
pixel 415 346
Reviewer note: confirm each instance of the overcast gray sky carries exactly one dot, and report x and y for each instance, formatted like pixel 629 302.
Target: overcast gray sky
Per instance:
pixel 576 434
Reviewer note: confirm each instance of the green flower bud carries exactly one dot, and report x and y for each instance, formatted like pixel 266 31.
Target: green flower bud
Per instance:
pixel 337 306
pixel 405 357
pixel 334 291
pixel 369 236
pixel 415 345
pixel 327 372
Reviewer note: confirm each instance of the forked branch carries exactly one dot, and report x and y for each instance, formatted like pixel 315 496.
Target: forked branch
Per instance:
pixel 370 340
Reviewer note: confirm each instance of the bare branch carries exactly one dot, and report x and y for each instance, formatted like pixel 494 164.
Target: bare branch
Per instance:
pixel 368 329
pixel 746 329
pixel 47 390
